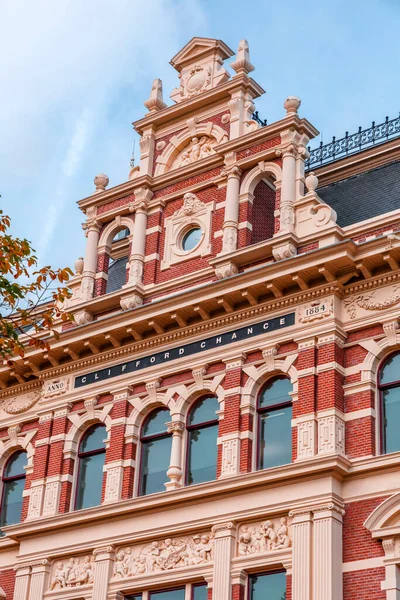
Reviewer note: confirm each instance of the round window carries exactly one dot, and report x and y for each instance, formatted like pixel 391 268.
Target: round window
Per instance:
pixel 191 239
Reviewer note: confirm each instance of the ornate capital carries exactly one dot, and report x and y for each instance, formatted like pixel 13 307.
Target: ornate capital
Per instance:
pixel 176 427
pixel 231 171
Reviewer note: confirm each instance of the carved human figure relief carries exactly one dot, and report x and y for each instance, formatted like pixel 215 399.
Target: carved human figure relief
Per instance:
pixel 268 536
pixel 198 148
pixel 75 572
pixel 163 555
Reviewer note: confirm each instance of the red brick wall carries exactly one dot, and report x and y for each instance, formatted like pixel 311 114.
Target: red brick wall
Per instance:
pixel 357 541
pixel 364 585
pixel 262 213
pixel 7 582
pixel 238 592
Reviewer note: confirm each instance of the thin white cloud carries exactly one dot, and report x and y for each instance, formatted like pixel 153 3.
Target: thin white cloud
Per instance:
pixel 70 72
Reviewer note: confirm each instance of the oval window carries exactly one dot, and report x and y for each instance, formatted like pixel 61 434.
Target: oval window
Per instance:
pixel 191 239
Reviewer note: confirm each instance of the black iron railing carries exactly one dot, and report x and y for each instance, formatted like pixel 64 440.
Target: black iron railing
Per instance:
pixel 260 121
pixel 349 144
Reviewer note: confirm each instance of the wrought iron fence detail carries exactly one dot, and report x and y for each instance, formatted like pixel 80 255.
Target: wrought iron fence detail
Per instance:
pixel 351 144
pixel 256 117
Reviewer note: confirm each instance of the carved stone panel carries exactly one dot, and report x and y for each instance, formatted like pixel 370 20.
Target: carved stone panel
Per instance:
pixel 315 311
pixel 20 404
pixel 359 305
pixel 56 387
pixel 196 149
pixel 73 572
pixel 268 536
pixel 230 457
pixel 164 555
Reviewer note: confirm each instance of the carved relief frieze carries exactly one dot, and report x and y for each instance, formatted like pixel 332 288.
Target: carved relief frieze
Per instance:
pixel 164 555
pixel 268 536
pixel 379 299
pixel 20 404
pixel 73 572
pixel 197 149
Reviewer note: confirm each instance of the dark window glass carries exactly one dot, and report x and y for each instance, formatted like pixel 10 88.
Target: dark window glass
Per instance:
pixel 389 385
pixel 116 274
pixel 274 424
pixel 202 441
pixel 200 592
pixel 155 453
pixel 134 597
pixel 121 235
pixel 168 595
pixel 13 487
pixel 90 469
pixel 270 586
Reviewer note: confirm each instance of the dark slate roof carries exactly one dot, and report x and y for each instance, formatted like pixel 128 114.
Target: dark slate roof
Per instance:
pixel 364 196
pixel 116 275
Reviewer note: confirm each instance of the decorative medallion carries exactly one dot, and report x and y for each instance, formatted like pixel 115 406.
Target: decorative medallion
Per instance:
pixel 198 79
pixel 19 404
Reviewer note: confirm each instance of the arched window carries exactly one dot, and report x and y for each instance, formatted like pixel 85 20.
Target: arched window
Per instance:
pixel 155 453
pixel 274 423
pixel 389 387
pixel 13 481
pixel 92 453
pixel 202 426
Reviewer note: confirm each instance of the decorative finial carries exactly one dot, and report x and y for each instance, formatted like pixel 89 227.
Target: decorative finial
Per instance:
pixel 132 161
pixel 101 181
pixel 242 64
pixel 311 182
pixel 79 266
pixel 292 105
pixel 155 101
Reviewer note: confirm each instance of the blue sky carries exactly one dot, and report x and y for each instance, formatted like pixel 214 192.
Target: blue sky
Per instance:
pixel 74 75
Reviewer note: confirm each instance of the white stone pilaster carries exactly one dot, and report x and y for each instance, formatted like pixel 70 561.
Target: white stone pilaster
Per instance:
pixel 114 475
pixel 306 436
pixel 327 552
pixel 104 561
pixel 39 580
pixel 392 582
pixel 230 454
pixel 301 528
pixel 224 547
pixel 22 579
pixel 52 495
pixel 331 432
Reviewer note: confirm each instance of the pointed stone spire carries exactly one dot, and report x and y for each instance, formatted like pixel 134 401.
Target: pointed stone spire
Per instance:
pixel 242 64
pixel 155 101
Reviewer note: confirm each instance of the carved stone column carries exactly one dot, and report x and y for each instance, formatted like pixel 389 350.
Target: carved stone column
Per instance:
pixel 22 578
pixel 301 554
pixel 39 579
pixel 224 548
pixel 175 472
pixel 138 248
pixel 392 571
pixel 89 270
pixel 288 188
pixel 231 219
pixel 104 561
pixel 327 552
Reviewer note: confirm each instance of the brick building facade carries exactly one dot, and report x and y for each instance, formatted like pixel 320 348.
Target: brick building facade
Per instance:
pixel 219 422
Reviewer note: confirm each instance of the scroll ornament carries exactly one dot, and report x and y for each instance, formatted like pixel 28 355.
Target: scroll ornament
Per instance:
pixel 369 302
pixel 163 556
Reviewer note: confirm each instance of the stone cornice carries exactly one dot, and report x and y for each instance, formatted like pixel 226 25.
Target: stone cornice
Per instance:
pixel 335 466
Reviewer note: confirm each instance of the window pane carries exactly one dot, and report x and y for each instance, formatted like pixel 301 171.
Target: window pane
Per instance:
pixel 12 502
pixel 391 370
pixel 134 597
pixel 202 463
pixel 156 422
pixel 200 592
pixel 391 416
pixel 191 239
pixel 204 410
pixel 275 392
pixel 90 481
pixel 168 595
pixel 94 439
pixel 275 438
pixel 271 586
pixel 15 465
pixel 155 463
